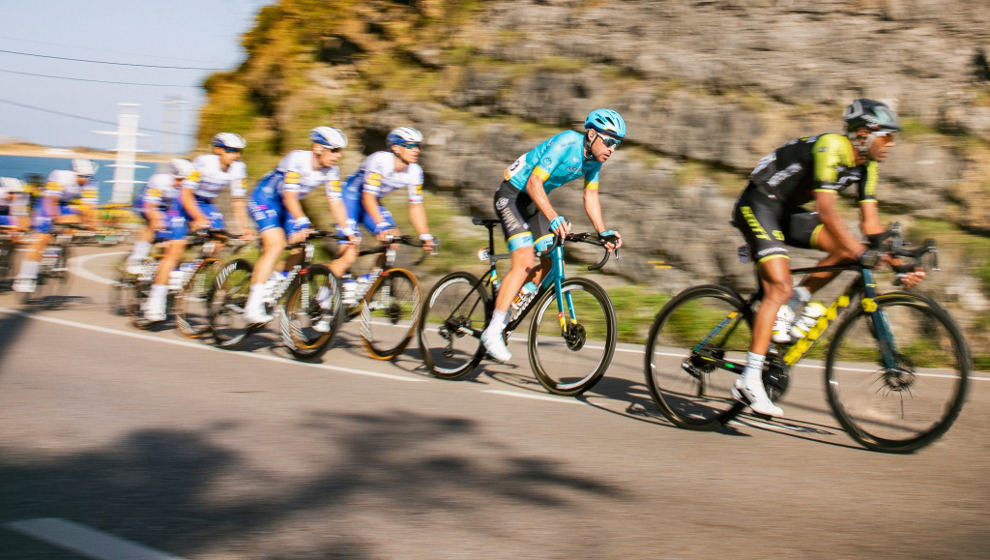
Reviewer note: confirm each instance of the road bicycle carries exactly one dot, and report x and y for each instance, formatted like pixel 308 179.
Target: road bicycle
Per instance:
pixel 9 255
pixel 387 301
pixel 52 283
pixel 571 338
pixel 896 369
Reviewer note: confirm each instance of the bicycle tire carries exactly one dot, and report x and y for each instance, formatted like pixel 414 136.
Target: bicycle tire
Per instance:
pixel 872 404
pixel 389 313
pixel 688 390
pixel 557 358
pixel 228 295
pixel 455 304
pixel 192 303
pixel 312 298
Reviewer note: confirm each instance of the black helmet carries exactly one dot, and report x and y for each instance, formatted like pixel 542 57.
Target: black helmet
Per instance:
pixel 874 115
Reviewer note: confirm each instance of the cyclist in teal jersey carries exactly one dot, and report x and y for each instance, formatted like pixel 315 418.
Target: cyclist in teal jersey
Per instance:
pixel 524 208
pixel 770 215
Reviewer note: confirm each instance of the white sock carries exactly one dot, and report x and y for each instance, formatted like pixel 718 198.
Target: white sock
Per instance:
pixel 255 296
pixel 29 269
pixel 159 292
pixel 141 250
pixel 499 319
pixel 754 367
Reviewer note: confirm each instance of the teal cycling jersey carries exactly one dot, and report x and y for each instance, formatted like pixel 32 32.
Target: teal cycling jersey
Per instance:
pixel 556 161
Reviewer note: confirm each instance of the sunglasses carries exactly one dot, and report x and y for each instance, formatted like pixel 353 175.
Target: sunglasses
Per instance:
pixel 609 141
pixel 232 150
pixel 333 150
pixel 409 145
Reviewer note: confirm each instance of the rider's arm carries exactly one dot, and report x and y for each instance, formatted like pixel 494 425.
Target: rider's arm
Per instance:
pixel 188 200
pixel 292 204
pixel 239 206
pixel 826 202
pixel 417 216
pixel 156 218
pixel 370 202
pixel 534 188
pixel 593 207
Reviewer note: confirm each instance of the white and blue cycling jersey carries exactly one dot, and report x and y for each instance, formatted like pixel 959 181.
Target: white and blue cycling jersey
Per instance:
pixel 63 185
pixel 377 175
pixel 556 161
pixel 206 181
pixel 160 191
pixel 294 174
pixel 13 206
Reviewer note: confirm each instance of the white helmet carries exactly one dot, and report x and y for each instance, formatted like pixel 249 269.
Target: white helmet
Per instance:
pixel 229 141
pixel 404 134
pixel 11 185
pixel 328 136
pixel 84 167
pixel 180 167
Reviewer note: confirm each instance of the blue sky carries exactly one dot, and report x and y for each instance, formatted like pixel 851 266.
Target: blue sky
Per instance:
pixel 186 33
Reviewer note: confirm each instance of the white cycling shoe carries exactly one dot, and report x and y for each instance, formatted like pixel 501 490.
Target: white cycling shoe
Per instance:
pixel 155 313
pixel 755 395
pixel 257 315
pixel 134 266
pixel 496 346
pixel 25 285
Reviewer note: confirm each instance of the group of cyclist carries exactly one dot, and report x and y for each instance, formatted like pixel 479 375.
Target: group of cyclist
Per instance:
pixel 770 213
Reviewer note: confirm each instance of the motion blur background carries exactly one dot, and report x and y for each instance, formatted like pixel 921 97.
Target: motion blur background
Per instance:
pixel 707 89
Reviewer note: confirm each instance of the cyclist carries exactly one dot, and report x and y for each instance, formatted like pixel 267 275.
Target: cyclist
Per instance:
pixel 522 204
pixel 14 204
pixel 770 215
pixel 194 207
pixel 53 206
pixel 276 208
pixel 381 173
pixel 153 203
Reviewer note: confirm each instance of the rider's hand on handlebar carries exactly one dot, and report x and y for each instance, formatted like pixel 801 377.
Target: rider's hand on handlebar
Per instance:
pixel 560 226
pixel 429 242
pixel 612 239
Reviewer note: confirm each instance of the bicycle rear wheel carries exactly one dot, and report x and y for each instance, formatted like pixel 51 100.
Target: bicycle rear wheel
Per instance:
pixel 569 353
pixel 389 313
pixel 696 327
pixel 228 295
pixel 905 407
pixel 192 304
pixel 312 313
pixel 449 332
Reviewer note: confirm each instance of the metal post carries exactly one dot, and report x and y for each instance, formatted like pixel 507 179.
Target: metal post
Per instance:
pixel 123 173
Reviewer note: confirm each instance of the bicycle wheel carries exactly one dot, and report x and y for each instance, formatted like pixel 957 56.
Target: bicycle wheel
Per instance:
pixel 911 404
pixel 227 297
pixel 696 326
pixel 53 279
pixel 192 303
pixel 570 352
pixel 312 313
pixel 449 332
pixel 389 313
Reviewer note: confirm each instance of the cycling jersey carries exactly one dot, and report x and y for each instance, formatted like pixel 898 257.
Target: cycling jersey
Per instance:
pixel 293 174
pixel 795 171
pixel 13 206
pixel 62 183
pixel 556 161
pixel 208 179
pixel 160 191
pixel 377 175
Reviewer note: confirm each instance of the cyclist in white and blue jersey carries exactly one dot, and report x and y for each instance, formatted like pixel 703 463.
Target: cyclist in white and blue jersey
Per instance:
pixel 153 203
pixel 194 209
pixel 53 206
pixel 524 208
pixel 15 204
pixel 276 208
pixel 381 173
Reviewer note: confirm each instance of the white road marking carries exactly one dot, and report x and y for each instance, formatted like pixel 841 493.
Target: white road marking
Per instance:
pixel 85 540
pixel 201 346
pixel 533 397
pixel 76 267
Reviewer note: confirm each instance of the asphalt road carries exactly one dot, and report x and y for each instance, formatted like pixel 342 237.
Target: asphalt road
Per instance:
pixel 134 444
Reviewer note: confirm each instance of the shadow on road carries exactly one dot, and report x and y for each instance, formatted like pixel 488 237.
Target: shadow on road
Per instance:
pixel 185 492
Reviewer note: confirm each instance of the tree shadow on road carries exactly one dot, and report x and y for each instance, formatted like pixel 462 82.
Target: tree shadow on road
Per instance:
pixel 188 493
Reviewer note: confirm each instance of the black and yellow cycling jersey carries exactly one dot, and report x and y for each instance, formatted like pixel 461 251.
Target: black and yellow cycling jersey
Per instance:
pixel 769 212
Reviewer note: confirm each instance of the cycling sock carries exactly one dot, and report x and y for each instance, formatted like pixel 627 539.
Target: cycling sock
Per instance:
pixel 158 294
pixel 754 367
pixel 255 296
pixel 141 250
pixel 498 322
pixel 29 269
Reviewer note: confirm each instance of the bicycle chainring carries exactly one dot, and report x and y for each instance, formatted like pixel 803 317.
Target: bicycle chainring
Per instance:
pixel 776 376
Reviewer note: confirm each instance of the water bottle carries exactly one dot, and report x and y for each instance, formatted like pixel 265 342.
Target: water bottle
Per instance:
pixel 522 300
pixel 484 254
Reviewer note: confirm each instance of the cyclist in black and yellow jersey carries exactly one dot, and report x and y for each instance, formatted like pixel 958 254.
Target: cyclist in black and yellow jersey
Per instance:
pixel 770 215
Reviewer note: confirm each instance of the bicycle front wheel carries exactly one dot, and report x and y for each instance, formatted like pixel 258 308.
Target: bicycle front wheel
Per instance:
pixel 910 402
pixel 227 298
pixel 572 339
pixel 192 304
pixel 449 332
pixel 312 313
pixel 692 334
pixel 389 313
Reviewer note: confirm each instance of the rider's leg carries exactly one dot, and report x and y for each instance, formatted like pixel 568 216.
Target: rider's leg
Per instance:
pixel 28 273
pixel 347 254
pixel 523 260
pixel 775 279
pixel 158 297
pixel 272 245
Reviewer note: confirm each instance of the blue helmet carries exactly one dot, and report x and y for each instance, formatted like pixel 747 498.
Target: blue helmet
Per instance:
pixel 402 135
pixel 607 121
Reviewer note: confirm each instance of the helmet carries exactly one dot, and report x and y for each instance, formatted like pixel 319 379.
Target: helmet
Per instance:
pixel 11 185
pixel 84 167
pixel 874 115
pixel 229 140
pixel 328 136
pixel 402 135
pixel 607 121
pixel 180 167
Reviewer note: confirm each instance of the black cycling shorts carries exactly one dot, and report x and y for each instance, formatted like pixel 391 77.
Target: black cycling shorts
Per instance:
pixel 517 211
pixel 769 226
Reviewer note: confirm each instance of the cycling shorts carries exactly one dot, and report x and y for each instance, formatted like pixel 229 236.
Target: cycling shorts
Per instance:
pixel 357 215
pixel 178 221
pixel 268 211
pixel 517 212
pixel 768 226
pixel 42 222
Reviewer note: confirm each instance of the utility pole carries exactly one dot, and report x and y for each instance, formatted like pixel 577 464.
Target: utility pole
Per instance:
pixel 127 134
pixel 170 124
